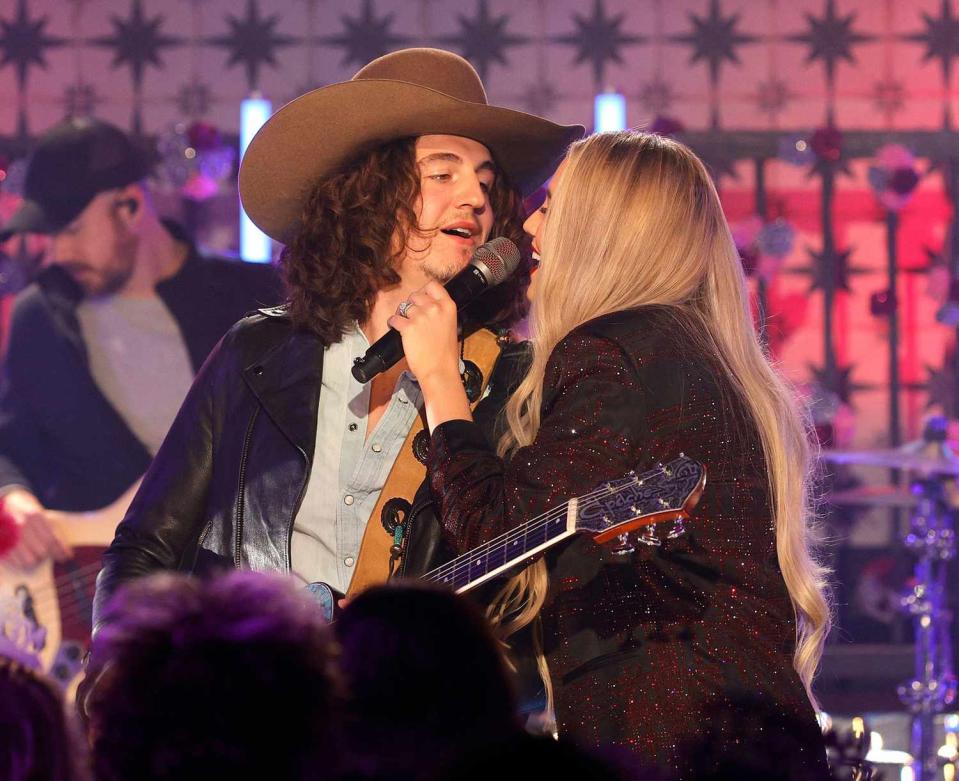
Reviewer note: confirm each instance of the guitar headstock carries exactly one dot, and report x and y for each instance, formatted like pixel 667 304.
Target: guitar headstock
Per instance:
pixel 667 493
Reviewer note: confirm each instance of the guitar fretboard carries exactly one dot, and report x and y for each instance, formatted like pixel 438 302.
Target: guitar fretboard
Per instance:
pixel 503 552
pixel 661 495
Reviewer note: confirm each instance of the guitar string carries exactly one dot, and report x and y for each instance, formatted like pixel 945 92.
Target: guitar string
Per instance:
pixel 524 529
pixel 452 569
pixel 466 559
pixel 80 580
pixel 76 606
pixel 86 575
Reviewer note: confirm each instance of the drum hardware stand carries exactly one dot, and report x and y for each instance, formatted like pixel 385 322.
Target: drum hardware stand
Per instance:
pixel 932 539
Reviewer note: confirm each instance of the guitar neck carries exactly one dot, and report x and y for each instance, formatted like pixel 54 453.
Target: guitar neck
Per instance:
pixel 509 549
pixel 660 497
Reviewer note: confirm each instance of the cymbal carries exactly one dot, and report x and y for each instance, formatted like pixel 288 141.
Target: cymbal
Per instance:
pixel 873 496
pixel 895 459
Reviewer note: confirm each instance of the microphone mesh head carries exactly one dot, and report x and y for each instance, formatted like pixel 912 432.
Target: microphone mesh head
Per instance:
pixel 500 256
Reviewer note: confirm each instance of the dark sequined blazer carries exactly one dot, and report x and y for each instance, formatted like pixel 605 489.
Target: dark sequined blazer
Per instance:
pixel 681 652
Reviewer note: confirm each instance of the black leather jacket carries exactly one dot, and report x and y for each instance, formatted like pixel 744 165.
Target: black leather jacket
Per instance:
pixel 226 484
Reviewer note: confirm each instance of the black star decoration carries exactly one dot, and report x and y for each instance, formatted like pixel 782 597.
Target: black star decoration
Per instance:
pixel 657 96
pixel 889 96
pixel 540 98
pixel 599 39
pixel 484 39
pixel 714 39
pixel 829 273
pixel 773 96
pixel 838 380
pixel 830 38
pixel 80 100
pixel 941 37
pixel 137 41
pixel 23 42
pixel 366 37
pixel 252 41
pixel 194 98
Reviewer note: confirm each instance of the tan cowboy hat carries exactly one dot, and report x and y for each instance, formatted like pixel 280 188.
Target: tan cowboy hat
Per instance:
pixel 412 92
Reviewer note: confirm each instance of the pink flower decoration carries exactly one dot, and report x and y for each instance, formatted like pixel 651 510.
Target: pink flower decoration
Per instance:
pixel 199 188
pixel 203 136
pixel 893 156
pixel 666 126
pixel 826 142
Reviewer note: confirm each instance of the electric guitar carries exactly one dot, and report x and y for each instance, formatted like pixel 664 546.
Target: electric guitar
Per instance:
pixel 46 609
pixel 655 505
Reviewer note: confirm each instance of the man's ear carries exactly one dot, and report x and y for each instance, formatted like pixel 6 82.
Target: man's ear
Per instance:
pixel 129 202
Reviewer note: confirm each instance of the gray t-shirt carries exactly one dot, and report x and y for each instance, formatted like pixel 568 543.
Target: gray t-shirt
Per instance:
pixel 138 360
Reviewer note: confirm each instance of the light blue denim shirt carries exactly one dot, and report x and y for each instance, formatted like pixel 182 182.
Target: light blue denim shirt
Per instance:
pixel 349 468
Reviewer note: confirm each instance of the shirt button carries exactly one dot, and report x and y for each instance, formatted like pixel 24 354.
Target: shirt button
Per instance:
pixel 348 499
pixel 349 561
pixel 376 448
pixel 352 427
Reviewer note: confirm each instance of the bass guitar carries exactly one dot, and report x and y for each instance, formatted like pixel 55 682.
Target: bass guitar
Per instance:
pixel 46 609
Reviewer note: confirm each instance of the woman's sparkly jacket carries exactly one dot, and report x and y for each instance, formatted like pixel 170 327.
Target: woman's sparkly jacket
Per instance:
pixel 672 646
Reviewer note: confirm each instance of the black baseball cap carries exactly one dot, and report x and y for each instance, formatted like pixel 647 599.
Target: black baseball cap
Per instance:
pixel 73 162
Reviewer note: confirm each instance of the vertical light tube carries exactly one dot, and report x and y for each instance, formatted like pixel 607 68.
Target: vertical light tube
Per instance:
pixel 255 246
pixel 609 111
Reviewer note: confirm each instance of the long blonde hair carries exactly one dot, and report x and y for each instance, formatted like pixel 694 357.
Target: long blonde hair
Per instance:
pixel 635 220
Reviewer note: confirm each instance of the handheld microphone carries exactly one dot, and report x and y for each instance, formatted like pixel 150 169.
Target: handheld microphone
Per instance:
pixel 492 262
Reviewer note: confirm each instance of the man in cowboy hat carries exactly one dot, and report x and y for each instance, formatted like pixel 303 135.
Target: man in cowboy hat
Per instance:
pixel 377 185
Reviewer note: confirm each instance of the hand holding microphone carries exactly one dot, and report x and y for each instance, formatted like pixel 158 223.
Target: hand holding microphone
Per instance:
pixel 492 263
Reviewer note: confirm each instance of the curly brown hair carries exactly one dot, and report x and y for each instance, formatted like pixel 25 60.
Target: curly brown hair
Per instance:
pixel 353 232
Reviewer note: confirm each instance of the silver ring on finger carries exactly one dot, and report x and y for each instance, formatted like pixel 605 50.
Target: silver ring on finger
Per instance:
pixel 404 308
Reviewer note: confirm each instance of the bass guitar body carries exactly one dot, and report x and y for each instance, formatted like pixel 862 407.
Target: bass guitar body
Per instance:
pixel 46 610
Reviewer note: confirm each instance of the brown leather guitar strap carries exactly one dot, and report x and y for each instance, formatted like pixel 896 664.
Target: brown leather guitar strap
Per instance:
pixel 373 561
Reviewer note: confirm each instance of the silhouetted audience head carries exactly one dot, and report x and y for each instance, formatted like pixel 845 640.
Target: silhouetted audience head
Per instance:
pixel 39 739
pixel 227 678
pixel 425 680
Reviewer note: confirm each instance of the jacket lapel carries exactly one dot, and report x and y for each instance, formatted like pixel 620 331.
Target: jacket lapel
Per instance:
pixel 286 381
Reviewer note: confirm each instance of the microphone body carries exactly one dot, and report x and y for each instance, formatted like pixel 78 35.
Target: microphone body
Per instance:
pixel 493 262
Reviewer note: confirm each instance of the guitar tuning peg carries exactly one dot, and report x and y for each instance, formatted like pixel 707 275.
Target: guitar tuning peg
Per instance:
pixel 624 547
pixel 677 529
pixel 649 536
